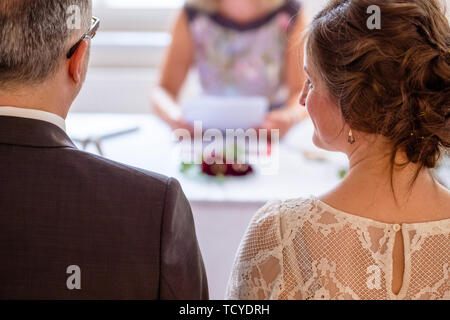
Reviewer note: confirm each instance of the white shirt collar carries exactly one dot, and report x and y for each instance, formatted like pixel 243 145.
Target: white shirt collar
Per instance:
pixel 33 114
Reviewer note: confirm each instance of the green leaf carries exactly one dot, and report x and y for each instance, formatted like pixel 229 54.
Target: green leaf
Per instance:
pixel 185 167
pixel 342 173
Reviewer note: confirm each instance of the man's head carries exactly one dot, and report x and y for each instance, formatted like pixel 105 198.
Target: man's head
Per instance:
pixel 35 38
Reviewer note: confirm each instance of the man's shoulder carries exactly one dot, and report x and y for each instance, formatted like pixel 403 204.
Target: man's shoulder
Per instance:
pixel 116 171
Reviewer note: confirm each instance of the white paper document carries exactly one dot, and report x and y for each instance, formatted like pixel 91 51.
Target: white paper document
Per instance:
pixel 226 112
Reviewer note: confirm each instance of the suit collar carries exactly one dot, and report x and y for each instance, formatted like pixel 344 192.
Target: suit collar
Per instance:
pixel 33 133
pixel 33 114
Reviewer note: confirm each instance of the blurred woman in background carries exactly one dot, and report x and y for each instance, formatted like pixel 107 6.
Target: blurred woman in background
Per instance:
pixel 240 48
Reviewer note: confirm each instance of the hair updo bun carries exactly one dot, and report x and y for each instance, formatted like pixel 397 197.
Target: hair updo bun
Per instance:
pixel 393 81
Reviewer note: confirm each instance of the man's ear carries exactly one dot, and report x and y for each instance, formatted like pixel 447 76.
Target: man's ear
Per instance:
pixel 76 62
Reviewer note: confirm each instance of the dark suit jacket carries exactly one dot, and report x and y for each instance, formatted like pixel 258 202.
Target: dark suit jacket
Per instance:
pixel 131 232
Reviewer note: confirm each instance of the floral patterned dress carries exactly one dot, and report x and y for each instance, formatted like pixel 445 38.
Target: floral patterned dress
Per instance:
pixel 243 59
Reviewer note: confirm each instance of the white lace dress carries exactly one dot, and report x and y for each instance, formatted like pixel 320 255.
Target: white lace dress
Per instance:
pixel 305 249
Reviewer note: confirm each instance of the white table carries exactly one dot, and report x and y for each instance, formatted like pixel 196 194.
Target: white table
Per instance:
pixel 222 209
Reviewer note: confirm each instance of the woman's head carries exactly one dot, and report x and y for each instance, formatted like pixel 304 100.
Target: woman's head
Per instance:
pixel 393 81
pixel 212 5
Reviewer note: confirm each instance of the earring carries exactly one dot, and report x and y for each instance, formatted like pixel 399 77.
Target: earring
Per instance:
pixel 351 138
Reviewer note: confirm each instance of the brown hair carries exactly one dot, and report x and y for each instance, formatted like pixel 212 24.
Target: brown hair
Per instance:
pixel 393 81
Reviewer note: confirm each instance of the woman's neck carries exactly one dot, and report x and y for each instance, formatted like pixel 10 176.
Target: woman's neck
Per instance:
pixel 372 186
pixel 241 11
pixel 372 162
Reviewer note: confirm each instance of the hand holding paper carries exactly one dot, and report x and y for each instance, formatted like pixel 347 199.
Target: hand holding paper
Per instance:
pixel 226 112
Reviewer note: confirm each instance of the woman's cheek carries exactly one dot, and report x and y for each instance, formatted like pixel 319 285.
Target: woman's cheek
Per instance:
pixel 324 121
pixel 312 106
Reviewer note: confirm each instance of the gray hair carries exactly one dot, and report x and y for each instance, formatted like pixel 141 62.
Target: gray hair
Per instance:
pixel 35 36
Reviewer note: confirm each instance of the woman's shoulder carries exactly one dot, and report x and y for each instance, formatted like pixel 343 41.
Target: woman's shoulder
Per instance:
pixel 292 7
pixel 283 216
pixel 191 12
pixel 282 208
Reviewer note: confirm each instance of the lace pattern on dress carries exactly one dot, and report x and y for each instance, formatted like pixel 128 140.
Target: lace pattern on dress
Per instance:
pixel 304 249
